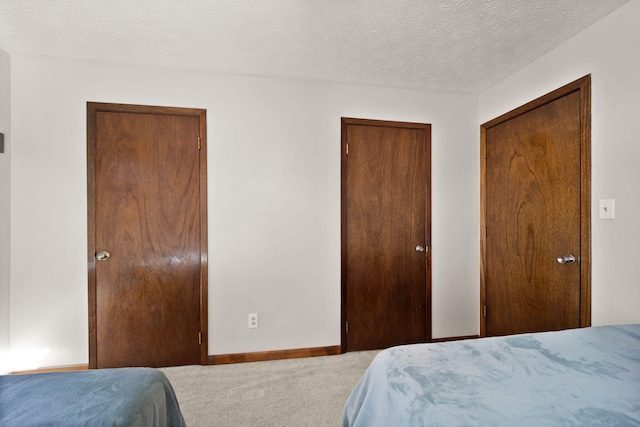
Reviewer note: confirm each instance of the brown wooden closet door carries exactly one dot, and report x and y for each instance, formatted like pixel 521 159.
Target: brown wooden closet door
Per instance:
pixel 385 217
pixel 147 217
pixel 533 216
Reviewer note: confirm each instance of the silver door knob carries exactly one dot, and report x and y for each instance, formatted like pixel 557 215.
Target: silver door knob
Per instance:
pixel 102 256
pixel 420 248
pixel 566 259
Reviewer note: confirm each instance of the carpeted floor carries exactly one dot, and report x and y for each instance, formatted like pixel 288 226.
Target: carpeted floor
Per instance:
pixel 295 392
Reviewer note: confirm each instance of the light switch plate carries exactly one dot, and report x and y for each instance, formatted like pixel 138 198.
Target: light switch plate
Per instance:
pixel 607 209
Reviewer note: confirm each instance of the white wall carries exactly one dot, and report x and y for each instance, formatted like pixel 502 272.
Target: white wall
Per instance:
pixel 608 50
pixel 5 195
pixel 274 190
pixel 274 200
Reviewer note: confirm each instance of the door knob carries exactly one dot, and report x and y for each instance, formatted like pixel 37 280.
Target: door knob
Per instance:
pixel 102 256
pixel 421 248
pixel 566 259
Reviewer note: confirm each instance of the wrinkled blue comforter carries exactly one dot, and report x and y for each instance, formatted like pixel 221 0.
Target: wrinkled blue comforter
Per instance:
pixel 105 397
pixel 581 377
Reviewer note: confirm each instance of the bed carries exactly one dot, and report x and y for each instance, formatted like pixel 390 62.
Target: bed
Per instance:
pixel 580 377
pixel 104 397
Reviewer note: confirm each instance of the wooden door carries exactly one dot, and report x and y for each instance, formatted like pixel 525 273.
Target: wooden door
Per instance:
pixel 147 236
pixel 537 210
pixel 385 217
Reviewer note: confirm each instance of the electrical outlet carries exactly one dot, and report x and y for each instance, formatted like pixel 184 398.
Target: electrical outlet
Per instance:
pixel 253 321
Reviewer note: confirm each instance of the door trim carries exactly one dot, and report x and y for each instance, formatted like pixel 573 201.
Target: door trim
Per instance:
pixel 92 109
pixel 345 122
pixel 583 86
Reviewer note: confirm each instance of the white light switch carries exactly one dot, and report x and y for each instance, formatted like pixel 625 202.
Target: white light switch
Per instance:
pixel 607 209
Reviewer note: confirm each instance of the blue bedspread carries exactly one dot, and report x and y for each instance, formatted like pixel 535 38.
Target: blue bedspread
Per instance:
pixel 105 397
pixel 581 377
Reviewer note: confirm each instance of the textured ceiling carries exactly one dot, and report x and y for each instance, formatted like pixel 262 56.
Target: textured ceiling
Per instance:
pixel 451 45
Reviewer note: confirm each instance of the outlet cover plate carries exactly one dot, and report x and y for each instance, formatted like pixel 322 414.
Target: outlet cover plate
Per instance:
pixel 253 321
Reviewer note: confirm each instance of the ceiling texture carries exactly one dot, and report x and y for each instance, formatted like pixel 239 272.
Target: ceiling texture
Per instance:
pixel 447 45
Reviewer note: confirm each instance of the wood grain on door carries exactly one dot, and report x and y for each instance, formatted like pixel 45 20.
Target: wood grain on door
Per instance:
pixel 386 221
pixel 534 213
pixel 146 224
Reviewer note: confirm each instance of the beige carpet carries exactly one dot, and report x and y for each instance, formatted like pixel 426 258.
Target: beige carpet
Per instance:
pixel 295 392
